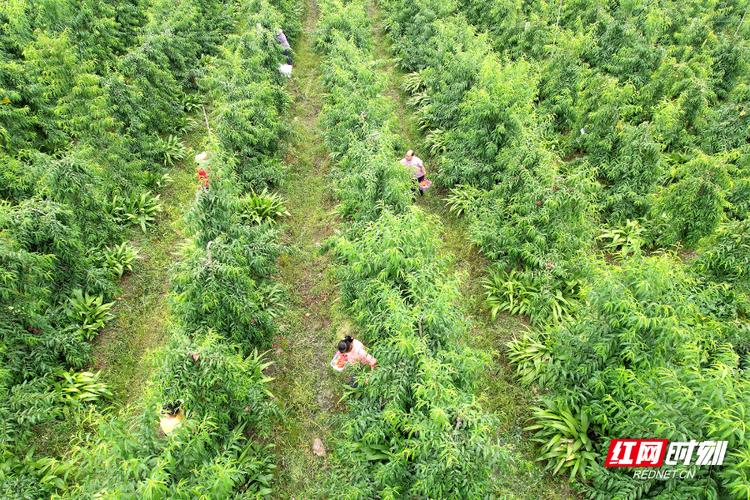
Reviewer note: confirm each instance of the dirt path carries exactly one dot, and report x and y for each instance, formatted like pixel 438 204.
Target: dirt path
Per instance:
pixel 499 392
pixel 306 387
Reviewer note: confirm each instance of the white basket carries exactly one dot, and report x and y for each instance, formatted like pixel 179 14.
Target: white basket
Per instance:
pixel 334 365
pixel 286 70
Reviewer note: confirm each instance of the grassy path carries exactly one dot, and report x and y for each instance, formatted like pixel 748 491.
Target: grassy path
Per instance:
pixel 306 387
pixel 141 325
pixel 499 393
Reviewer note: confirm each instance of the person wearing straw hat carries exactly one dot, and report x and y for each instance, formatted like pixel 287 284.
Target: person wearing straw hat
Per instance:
pixel 172 415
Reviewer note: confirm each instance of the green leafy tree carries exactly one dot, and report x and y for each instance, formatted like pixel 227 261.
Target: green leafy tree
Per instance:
pixel 692 206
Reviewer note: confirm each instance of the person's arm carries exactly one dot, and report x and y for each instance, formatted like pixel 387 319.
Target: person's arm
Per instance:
pixel 370 359
pixel 363 356
pixel 424 170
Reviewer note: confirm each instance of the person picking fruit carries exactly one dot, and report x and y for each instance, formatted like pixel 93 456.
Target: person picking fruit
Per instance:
pixel 172 416
pixel 201 161
pixel 416 167
pixel 351 351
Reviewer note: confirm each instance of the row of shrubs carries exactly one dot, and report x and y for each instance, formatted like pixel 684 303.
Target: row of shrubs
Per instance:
pixel 223 304
pixel 92 97
pixel 557 170
pixel 413 426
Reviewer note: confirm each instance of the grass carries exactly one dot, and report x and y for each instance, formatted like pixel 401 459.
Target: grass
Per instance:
pixel 306 387
pixel 521 476
pixel 141 326
pixel 141 323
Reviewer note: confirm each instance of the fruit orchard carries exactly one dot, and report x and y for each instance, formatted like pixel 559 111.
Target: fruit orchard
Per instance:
pixel 593 159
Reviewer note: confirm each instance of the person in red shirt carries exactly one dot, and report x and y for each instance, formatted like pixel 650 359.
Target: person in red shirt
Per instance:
pixel 202 177
pixel 201 161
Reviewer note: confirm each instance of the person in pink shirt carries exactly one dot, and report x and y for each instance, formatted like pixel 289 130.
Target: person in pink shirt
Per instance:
pixel 351 351
pixel 416 168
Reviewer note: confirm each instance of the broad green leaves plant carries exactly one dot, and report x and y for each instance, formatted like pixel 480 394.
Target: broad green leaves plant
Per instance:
pixel 563 435
pixel 464 199
pixel 81 387
pixel 139 209
pixel 506 292
pixel 119 258
pixel 263 207
pixel 171 150
pixel 523 293
pixel 531 357
pixel 88 313
pixel 626 240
